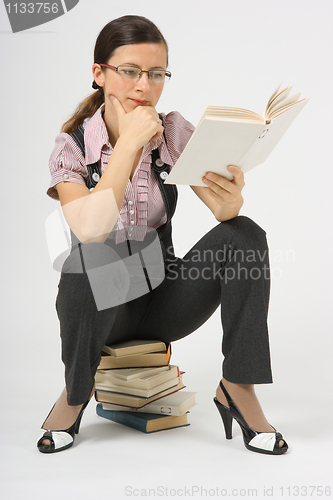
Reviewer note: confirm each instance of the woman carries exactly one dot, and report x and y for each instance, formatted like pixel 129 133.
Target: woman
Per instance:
pixel 123 133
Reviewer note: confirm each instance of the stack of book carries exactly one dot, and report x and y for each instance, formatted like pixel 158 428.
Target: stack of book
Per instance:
pixel 136 386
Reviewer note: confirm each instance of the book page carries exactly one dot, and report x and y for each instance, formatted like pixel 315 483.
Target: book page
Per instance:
pixel 275 93
pixel 283 94
pixel 286 102
pixel 285 108
pixel 267 142
pixel 222 112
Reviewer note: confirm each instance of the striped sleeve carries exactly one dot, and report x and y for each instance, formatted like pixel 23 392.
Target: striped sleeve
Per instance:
pixel 66 164
pixel 177 133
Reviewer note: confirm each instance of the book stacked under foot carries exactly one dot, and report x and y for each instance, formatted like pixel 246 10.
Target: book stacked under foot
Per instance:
pixel 136 386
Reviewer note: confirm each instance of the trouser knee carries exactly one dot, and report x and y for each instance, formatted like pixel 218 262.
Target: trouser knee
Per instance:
pixel 244 233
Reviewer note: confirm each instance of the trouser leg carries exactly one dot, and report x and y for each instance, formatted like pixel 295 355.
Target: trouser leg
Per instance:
pixel 228 267
pixel 83 331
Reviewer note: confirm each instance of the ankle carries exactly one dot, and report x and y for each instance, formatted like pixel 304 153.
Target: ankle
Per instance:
pixel 235 390
pixel 232 386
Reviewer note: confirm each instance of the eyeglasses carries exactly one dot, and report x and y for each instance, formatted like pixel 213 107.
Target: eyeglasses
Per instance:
pixel 133 73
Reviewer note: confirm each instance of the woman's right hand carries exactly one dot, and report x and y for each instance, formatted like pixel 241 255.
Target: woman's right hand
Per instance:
pixel 138 126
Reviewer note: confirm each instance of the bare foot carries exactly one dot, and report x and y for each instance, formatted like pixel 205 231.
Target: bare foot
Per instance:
pixel 62 416
pixel 247 402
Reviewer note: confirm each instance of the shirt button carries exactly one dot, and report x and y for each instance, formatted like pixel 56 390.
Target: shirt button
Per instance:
pixel 163 175
pixel 95 176
pixel 131 212
pixel 159 162
pixel 130 202
pixel 65 176
pixel 132 222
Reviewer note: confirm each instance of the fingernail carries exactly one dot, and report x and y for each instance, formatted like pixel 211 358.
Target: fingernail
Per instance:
pixel 231 168
pixel 204 180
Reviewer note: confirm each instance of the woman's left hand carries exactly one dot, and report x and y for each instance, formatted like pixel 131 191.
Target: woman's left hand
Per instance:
pixel 227 194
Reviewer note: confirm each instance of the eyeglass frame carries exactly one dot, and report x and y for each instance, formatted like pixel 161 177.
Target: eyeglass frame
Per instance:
pixel 115 68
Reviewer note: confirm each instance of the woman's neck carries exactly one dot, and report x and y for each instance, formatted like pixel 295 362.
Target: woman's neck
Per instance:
pixel 111 123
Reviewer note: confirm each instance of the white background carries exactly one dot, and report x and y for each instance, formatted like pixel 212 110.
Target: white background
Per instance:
pixel 231 53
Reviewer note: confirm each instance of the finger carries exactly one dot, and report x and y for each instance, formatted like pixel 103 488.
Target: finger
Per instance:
pixel 237 173
pixel 222 196
pixel 217 182
pixel 158 134
pixel 118 106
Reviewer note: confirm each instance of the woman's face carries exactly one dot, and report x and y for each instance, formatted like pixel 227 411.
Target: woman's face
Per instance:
pixel 131 93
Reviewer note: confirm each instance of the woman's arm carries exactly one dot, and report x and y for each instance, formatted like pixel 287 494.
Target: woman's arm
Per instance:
pixel 222 197
pixel 91 216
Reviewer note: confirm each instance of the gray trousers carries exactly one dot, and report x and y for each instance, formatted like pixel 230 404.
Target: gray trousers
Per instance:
pixel 228 267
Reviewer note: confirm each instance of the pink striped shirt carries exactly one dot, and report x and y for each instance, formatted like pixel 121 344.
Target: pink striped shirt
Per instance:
pixel 143 204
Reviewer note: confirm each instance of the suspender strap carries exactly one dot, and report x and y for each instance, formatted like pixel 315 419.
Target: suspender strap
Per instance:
pixel 168 191
pixel 94 171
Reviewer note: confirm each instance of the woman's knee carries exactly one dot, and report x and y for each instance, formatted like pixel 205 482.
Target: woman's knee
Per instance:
pixel 244 232
pixel 244 224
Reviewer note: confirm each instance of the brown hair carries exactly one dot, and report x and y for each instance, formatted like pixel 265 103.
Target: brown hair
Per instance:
pixel 125 30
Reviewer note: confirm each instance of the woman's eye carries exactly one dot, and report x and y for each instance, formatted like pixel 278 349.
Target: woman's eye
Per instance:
pixel 129 72
pixel 157 75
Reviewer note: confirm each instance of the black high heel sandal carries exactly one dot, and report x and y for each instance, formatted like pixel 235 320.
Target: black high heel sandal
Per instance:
pixel 260 442
pixel 62 439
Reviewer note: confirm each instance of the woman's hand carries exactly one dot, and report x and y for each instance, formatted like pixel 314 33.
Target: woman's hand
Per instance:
pixel 227 194
pixel 139 126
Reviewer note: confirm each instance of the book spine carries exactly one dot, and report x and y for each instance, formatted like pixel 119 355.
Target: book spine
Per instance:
pixel 150 408
pixel 139 393
pixel 122 418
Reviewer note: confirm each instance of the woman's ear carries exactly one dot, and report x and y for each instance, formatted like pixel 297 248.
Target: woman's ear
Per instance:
pixel 98 74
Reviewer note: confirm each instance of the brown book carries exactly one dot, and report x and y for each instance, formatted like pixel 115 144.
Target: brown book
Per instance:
pixel 132 347
pixel 133 401
pixel 161 358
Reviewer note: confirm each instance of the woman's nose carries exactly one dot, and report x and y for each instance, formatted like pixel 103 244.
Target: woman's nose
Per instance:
pixel 143 83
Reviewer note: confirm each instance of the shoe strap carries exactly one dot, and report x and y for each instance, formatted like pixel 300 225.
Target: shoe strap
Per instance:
pixel 227 395
pixel 236 413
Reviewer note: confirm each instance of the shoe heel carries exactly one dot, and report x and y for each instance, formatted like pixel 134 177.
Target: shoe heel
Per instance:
pixel 226 418
pixel 77 424
pixel 79 418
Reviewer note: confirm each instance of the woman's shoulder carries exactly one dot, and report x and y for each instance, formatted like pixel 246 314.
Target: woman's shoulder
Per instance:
pixel 66 141
pixel 65 144
pixel 175 120
pixel 177 131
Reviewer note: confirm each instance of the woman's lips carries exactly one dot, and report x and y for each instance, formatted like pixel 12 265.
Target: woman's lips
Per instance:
pixel 140 102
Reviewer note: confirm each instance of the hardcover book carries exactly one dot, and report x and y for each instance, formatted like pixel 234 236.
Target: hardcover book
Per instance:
pixel 144 422
pixel 235 136
pixel 151 359
pixel 134 347
pixel 133 401
pixel 175 404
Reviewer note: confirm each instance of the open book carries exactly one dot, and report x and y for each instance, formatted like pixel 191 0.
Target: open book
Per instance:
pixel 235 136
